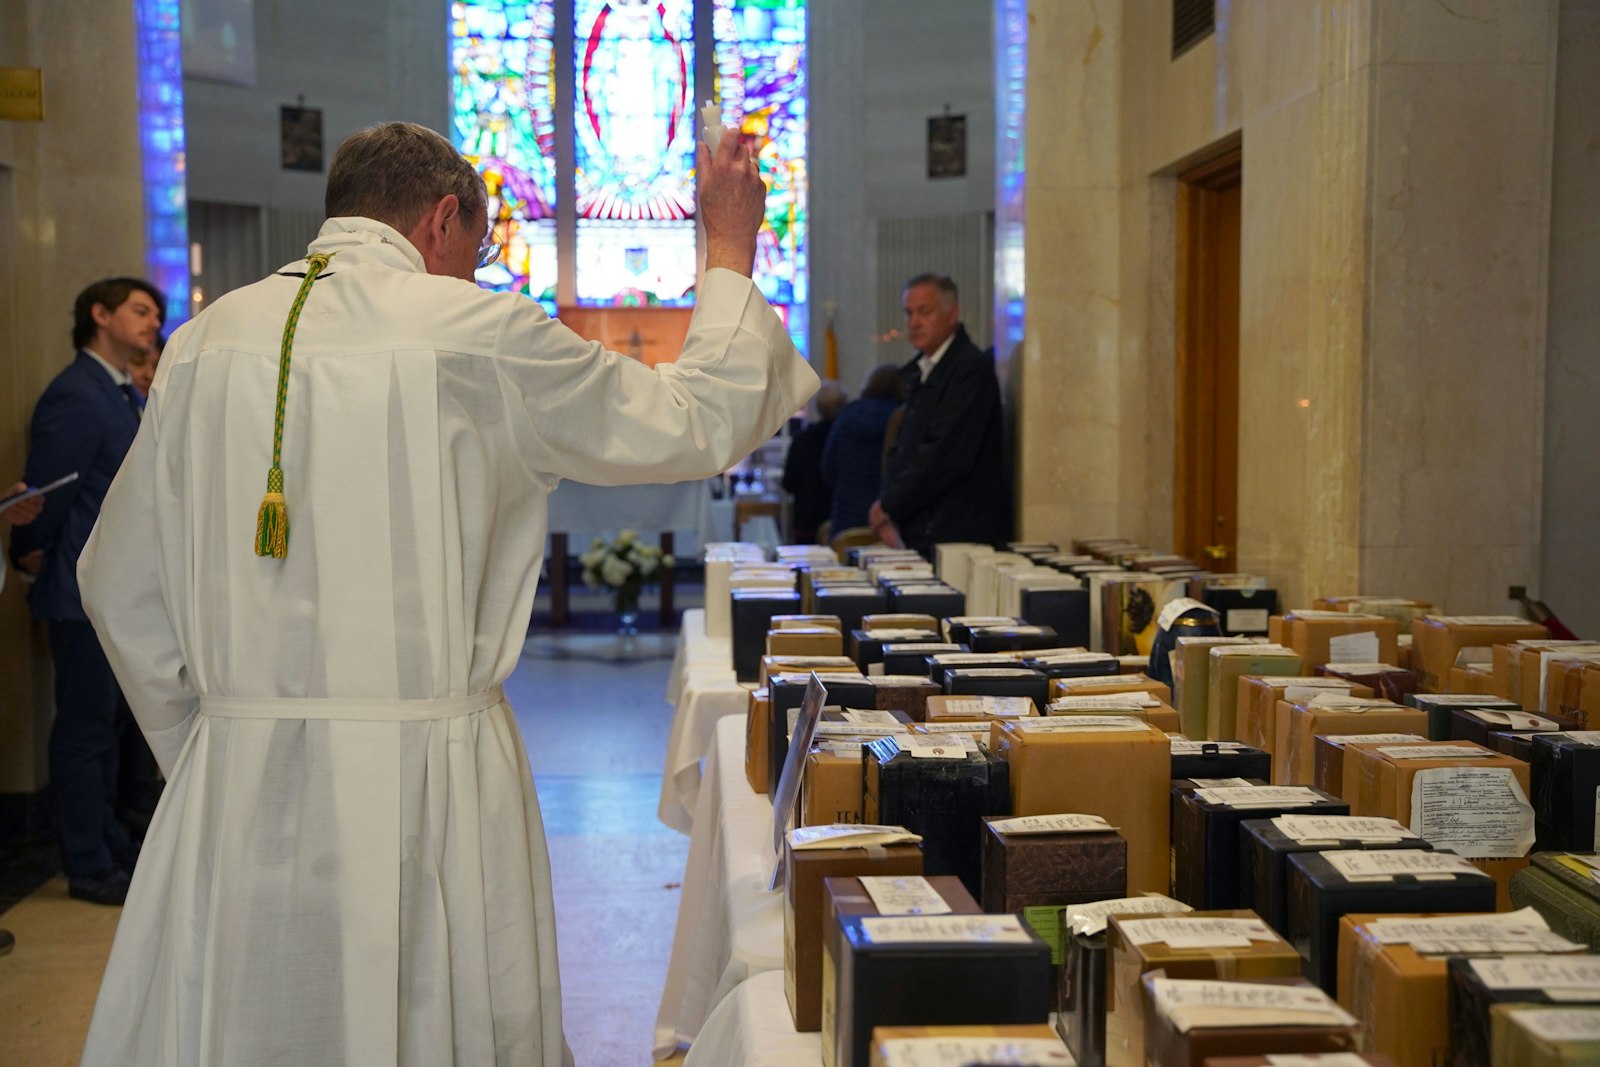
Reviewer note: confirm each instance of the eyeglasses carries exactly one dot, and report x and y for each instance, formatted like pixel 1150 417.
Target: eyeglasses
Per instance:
pixel 489 251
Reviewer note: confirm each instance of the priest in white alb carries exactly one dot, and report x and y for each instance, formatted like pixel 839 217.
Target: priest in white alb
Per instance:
pixel 312 575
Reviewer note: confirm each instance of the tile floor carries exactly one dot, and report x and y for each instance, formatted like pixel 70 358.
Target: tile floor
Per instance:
pixel 596 729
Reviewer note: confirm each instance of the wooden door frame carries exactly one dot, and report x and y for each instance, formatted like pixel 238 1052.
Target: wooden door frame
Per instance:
pixel 1194 407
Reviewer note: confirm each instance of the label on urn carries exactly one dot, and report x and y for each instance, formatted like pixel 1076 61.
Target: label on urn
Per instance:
pixel 1105 700
pixel 1467 700
pixel 961 1051
pixel 1170 613
pixel 1186 747
pixel 869 716
pixel 1052 824
pixel 905 895
pixel 1188 1003
pixel 1560 1024
pixel 1090 919
pixel 1340 828
pixel 944 929
pixel 955 746
pixel 1514 720
pixel 1560 977
pixel 1515 924
pixel 998 707
pixel 1349 647
pixel 1316 1059
pixel 1386 864
pixel 1251 619
pixel 1436 752
pixel 1198 932
pixel 1060 724
pixel 1222 783
pixel 850 835
pixel 1301 692
pixel 1478 812
pixel 1262 796
pixel 1480 620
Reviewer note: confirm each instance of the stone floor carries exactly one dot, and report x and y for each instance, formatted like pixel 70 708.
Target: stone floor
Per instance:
pixel 592 712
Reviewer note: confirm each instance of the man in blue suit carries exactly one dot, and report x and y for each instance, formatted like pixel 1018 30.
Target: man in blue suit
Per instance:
pixel 85 422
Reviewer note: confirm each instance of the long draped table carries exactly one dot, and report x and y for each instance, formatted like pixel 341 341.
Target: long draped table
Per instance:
pixel 752 1027
pixel 702 691
pixel 730 926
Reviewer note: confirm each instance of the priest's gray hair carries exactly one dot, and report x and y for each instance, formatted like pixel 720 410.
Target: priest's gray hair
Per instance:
pixel 942 282
pixel 395 172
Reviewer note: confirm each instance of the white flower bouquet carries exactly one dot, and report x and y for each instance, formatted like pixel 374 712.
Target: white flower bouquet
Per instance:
pixel 623 566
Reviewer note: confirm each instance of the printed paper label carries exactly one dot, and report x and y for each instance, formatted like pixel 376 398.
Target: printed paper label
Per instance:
pixel 1341 828
pixel 920 746
pixel 1106 700
pixel 1320 613
pixel 1057 724
pixel 995 672
pixel 905 895
pixel 1435 752
pixel 1187 1003
pixel 997 707
pixel 1222 783
pixel 1246 620
pixel 1545 942
pixel 1361 646
pixel 1514 720
pixel 849 835
pixel 967 929
pixel 1090 919
pixel 931 648
pixel 1560 1024
pixel 1052 824
pixel 1477 812
pixel 1550 973
pixel 1205 932
pixel 1264 796
pixel 1385 864
pixel 961 1051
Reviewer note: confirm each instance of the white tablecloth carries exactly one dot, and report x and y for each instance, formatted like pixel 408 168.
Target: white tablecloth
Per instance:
pixel 752 1027
pixel 702 691
pixel 730 926
pixel 584 512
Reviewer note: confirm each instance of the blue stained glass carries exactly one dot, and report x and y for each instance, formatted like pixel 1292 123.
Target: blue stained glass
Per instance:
pixel 159 45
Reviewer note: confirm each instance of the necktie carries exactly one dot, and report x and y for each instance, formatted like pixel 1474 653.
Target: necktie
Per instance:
pixel 133 399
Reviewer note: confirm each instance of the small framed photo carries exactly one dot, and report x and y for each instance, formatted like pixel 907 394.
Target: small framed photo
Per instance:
pixel 947 146
pixel 300 138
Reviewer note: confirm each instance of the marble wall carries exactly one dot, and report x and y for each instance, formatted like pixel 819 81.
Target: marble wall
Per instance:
pixel 1395 212
pixel 71 211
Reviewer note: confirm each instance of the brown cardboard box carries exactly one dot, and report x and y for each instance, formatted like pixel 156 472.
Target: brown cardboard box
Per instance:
pixel 1439 639
pixel 1339 768
pixel 828 664
pixel 1472 678
pixel 1228 664
pixel 1564 685
pixel 1127 964
pixel 1403 610
pixel 1522 667
pixel 755 739
pixel 903 692
pixel 987 1041
pixel 1387 785
pixel 1168 1045
pixel 805 920
pixel 1118 768
pixel 1256 721
pixel 1163 717
pixel 804 641
pixel 1307 719
pixel 1400 995
pixel 1191 679
pixel 1326 637
pixel 946 708
pixel 830 784
pixel 1121 683
pixel 900 621
pixel 1588 705
pixel 806 622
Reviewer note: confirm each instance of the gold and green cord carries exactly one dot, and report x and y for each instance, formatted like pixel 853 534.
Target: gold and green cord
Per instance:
pixel 272 520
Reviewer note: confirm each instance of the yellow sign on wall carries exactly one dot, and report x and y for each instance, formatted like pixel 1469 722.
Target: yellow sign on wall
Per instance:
pixel 22 94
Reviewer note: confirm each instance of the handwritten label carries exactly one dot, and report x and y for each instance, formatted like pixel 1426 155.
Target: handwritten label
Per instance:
pixel 1374 739
pixel 851 729
pixel 974 728
pixel 996 707
pixel 1559 1024
pixel 1053 824
pixel 870 716
pixel 1188 1003
pixel 1090 919
pixel 1435 752
pixel 1364 667
pixel 1386 864
pixel 1478 812
pixel 1058 724
pixel 1263 796
pixel 936 929
pixel 961 1051
pixel 1105 700
pixel 905 895
pixel 1297 694
pixel 1185 747
pixel 1198 932
pixel 1334 700
pixel 1091 680
pixel 1566 974
pixel 1222 783
pixel 1397 931
pixel 955 746
pixel 1253 650
pixel 1341 828
pixel 1514 720
pixel 1246 620
pixel 1316 1059
pixel 1480 620
pixel 849 835
pixel 1361 646
pixel 1466 700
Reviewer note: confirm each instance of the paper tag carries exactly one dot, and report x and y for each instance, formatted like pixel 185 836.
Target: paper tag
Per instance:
pixel 870 716
pixel 1222 783
pixel 1296 694
pixel 1090 919
pixel 1335 700
pixel 1559 1024
pixel 1481 620
pixel 1385 864
pixel 996 672
pixel 904 895
pixel 966 929
pixel 1467 700
pixel 961 1051
pixel 996 707
pixel 1316 1059
pixel 1549 973
pixel 1583 737
pixel 1374 739
pixel 1170 613
pixel 1246 620
pixel 921 746
pixel 1106 700
pixel 1052 824
pixel 1514 925
pixel 1056 724
pixel 1263 796
pixel 1513 720
pixel 1253 650
pixel 1341 828
pixel 1478 812
pixel 952 728
pixel 1435 752
pixel 902 681
pixel 1188 1003
pixel 1319 613
pixel 1357 647
pixel 849 835
pixel 1088 680
pixel 850 729
pixel 1498 945
pixel 1204 932
pixel 1185 747
pixel 1364 667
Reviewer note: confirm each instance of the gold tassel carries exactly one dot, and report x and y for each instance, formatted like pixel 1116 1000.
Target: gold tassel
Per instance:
pixel 272 519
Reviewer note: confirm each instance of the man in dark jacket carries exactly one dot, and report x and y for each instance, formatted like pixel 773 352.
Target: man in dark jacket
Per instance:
pixel 84 423
pixel 802 468
pixel 943 477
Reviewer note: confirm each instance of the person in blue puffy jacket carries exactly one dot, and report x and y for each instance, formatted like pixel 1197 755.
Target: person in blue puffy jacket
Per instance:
pixel 852 460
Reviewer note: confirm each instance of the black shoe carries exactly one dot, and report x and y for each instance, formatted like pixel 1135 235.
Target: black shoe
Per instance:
pixel 108 887
pixel 8 941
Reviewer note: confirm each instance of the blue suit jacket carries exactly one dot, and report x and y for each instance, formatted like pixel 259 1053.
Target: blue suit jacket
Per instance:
pixel 82 423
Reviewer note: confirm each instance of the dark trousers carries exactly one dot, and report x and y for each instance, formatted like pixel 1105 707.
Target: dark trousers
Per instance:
pixel 83 750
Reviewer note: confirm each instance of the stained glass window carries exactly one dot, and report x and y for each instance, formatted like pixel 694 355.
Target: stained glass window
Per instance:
pixel 633 167
pixel 761 84
pixel 503 119
pixel 161 141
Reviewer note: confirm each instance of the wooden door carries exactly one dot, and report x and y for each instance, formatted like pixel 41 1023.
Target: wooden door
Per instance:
pixel 1206 468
